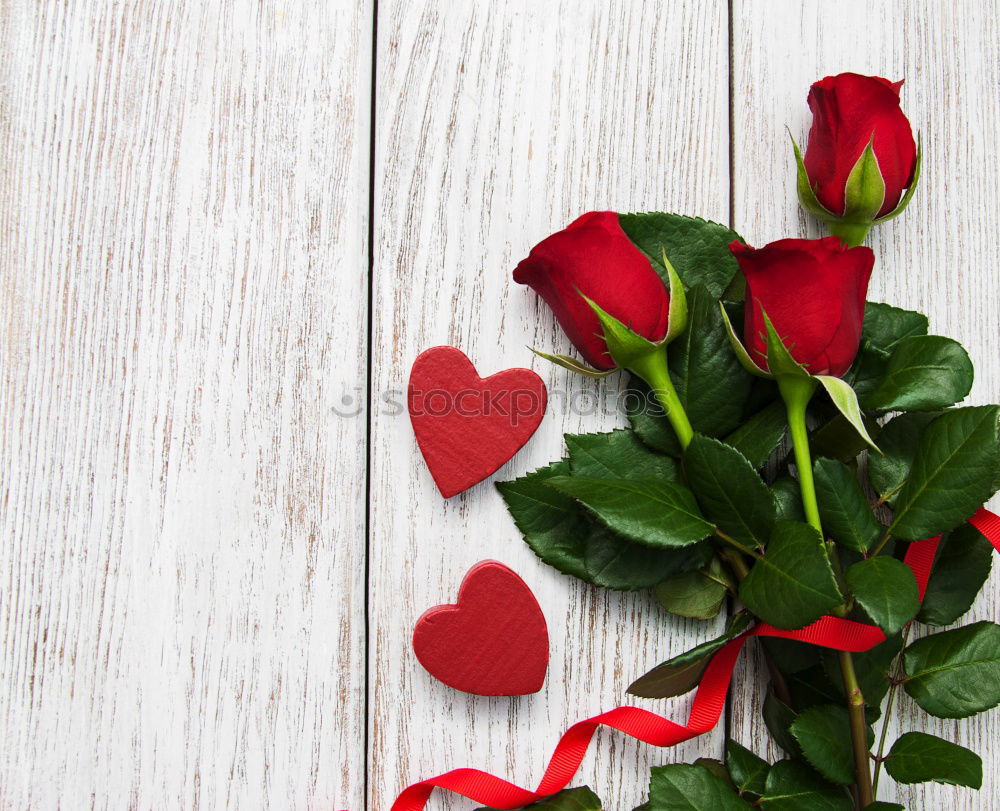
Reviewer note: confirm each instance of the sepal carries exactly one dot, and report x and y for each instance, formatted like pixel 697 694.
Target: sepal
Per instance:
pixel 865 189
pixel 911 188
pixel 779 360
pixel 677 314
pixel 741 351
pixel 864 194
pixel 846 401
pixel 574 365
pixel 626 347
pixel 807 196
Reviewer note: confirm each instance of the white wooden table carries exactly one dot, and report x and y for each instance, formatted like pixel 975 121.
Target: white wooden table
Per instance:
pixel 227 230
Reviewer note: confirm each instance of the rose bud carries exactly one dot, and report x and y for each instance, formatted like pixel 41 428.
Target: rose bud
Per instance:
pixel 860 157
pixel 813 291
pixel 592 259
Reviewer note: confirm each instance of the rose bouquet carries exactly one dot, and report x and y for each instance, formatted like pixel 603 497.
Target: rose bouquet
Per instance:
pixel 797 454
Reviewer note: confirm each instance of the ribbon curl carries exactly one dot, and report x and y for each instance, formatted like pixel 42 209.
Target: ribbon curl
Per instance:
pixel 706 708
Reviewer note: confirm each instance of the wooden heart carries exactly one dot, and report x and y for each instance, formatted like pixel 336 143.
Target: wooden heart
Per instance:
pixel 492 642
pixel 468 426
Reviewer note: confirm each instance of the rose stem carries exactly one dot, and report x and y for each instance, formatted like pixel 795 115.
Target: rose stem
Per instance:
pixel 796 392
pixel 894 681
pixel 653 369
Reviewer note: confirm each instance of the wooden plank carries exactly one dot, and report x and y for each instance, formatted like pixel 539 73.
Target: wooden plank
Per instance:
pixel 184 209
pixel 496 124
pixel 939 257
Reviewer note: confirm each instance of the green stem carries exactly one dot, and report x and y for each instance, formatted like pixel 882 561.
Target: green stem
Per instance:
pixel 897 672
pixel 880 545
pixel 653 369
pixel 736 562
pixel 859 729
pixel 746 550
pixel 796 392
pixel 852 234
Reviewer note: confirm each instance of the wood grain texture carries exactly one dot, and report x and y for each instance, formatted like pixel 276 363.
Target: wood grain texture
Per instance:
pixel 184 191
pixel 939 257
pixel 496 124
pixel 184 217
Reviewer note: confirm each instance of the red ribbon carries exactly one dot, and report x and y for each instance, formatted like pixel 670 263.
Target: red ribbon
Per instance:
pixel 988 525
pixel 706 709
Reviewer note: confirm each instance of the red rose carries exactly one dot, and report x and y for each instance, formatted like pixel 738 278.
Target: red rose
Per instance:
pixel 813 290
pixel 593 257
pixel 849 111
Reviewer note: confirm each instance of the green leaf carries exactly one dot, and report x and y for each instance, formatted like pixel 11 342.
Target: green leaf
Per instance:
pixel 867 371
pixel 886 589
pixel 757 438
pixel 925 373
pixel 843 506
pixel 683 787
pixel 698 249
pixel 717 768
pixel 885 326
pixel 865 189
pixel 880 806
pixel 918 758
pixel 963 564
pixel 790 655
pixel 558 531
pixel 812 687
pixel 731 493
pixel 748 771
pixel 619 454
pixel 697 594
pixel 649 511
pixel 614 562
pixel 551 523
pixel 571 799
pixel 574 365
pixel 953 473
pixel 778 718
pixel 955 674
pixel 737 289
pixel 898 442
pixel 711 384
pixel 788 499
pixel 793 584
pixel 824 735
pixel 680 674
pixel 838 439
pixel 793 786
pixel 846 401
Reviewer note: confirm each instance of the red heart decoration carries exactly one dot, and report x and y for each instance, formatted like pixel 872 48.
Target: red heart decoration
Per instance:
pixel 467 426
pixel 492 642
